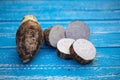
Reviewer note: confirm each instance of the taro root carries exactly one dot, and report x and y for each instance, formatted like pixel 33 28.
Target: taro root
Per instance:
pixel 63 46
pixel 29 38
pixel 53 34
pixel 77 30
pixel 83 51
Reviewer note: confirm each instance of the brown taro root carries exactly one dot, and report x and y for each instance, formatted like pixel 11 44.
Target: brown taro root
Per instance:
pixel 83 51
pixel 53 34
pixel 63 46
pixel 77 30
pixel 29 38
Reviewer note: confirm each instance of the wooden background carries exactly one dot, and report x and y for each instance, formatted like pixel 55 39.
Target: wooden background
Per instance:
pixel 103 18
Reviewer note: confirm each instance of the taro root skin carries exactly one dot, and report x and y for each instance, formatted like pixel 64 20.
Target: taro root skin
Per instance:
pixel 29 38
pixel 63 46
pixel 53 34
pixel 83 51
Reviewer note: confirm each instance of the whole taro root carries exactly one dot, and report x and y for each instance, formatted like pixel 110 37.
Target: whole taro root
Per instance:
pixel 29 38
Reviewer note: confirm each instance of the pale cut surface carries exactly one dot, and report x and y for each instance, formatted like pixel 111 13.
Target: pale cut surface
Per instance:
pixel 57 32
pixel 64 44
pixel 77 30
pixel 85 49
pixel 25 61
pixel 29 17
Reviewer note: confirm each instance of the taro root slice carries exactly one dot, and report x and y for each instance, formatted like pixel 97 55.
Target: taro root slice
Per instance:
pixel 83 51
pixel 29 38
pixel 63 46
pixel 77 30
pixel 53 34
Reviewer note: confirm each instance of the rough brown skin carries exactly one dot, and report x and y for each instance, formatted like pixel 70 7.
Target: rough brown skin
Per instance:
pixel 78 58
pixel 46 35
pixel 64 56
pixel 29 38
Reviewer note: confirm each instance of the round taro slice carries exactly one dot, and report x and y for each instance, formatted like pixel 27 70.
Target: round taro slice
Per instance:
pixel 53 35
pixel 29 38
pixel 77 30
pixel 63 46
pixel 83 51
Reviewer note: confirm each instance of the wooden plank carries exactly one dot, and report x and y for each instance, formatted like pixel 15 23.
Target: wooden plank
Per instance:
pixel 103 33
pixel 102 77
pixel 49 10
pixel 68 5
pixel 103 18
pixel 99 40
pixel 95 26
pixel 83 72
pixel 68 15
pixel 105 65
pixel 106 57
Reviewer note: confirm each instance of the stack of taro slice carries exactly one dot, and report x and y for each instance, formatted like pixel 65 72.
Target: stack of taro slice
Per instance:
pixel 76 45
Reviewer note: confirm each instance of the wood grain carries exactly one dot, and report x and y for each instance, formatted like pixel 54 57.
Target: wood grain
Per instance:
pixel 103 18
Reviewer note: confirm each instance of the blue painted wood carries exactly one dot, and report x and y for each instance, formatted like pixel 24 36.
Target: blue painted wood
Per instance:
pixel 68 5
pixel 10 10
pixel 103 18
pixel 49 15
pixel 99 40
pixel 95 26
pixel 105 57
